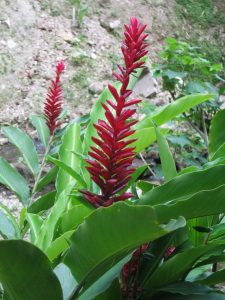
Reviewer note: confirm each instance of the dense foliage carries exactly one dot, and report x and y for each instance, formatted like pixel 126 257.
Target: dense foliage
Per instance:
pixel 103 231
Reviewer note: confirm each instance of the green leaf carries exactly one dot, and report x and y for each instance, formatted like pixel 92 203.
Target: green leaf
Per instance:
pixel 214 278
pixel 178 266
pixel 59 245
pixel 35 223
pixel 167 161
pixel 145 186
pixel 14 181
pixel 219 154
pixel 153 256
pixel 218 231
pixel 185 185
pixel 179 140
pixel 8 226
pixel 195 87
pixel 174 109
pixel 73 217
pixel 203 203
pixel 216 134
pixel 67 169
pixel 47 230
pixel 172 74
pixel 145 137
pixel 206 296
pixel 43 203
pixel 111 237
pixel 42 129
pixel 22 217
pixel 186 288
pixel 112 293
pixel 71 142
pixel 66 279
pixel 25 146
pixel 26 273
pixel 189 169
pixel 198 227
pixel 67 221
pixel 48 178
pixel 99 288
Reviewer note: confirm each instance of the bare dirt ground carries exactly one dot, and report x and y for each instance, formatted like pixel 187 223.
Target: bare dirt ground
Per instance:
pixel 37 34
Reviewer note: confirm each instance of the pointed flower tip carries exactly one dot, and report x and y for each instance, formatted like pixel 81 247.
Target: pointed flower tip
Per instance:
pixel 60 67
pixel 134 21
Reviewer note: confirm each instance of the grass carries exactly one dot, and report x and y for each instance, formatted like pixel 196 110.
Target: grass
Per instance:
pixel 115 59
pixel 80 78
pixel 204 12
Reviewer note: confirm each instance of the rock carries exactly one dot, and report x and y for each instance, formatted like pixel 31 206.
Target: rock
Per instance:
pixel 161 99
pixel 110 25
pixel 146 86
pixel 115 24
pixel 96 87
pixel 93 55
pixel 91 43
pixel 11 44
pixel 67 37
pixel 3 141
pixel 6 22
pixel 24 92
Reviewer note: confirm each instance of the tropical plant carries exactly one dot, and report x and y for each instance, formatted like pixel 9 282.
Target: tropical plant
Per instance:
pixel 186 70
pixel 92 238
pixel 11 178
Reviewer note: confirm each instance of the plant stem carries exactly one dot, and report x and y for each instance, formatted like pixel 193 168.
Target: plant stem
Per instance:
pixel 73 25
pixel 214 267
pixel 204 137
pixel 41 168
pixel 148 166
pixel 204 127
pixel 202 134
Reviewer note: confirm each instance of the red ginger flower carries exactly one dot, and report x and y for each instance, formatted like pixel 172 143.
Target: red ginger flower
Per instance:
pixel 111 168
pixel 53 102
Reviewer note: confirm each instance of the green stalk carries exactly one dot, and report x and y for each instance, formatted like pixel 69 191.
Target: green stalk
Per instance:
pixel 37 179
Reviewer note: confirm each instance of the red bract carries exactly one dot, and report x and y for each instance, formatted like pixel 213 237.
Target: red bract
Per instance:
pixel 169 251
pixel 53 102
pixel 112 157
pixel 129 274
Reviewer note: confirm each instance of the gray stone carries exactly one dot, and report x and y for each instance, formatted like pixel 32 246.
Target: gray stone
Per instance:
pixel 110 25
pixel 11 44
pixel 67 37
pixel 146 86
pixel 3 141
pixel 115 24
pixel 96 87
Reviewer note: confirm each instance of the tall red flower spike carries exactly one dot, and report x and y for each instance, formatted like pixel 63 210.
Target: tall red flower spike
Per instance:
pixel 113 156
pixel 53 102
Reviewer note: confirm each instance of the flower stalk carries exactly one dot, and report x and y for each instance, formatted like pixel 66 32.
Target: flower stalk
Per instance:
pixel 111 160
pixel 52 110
pixel 53 102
